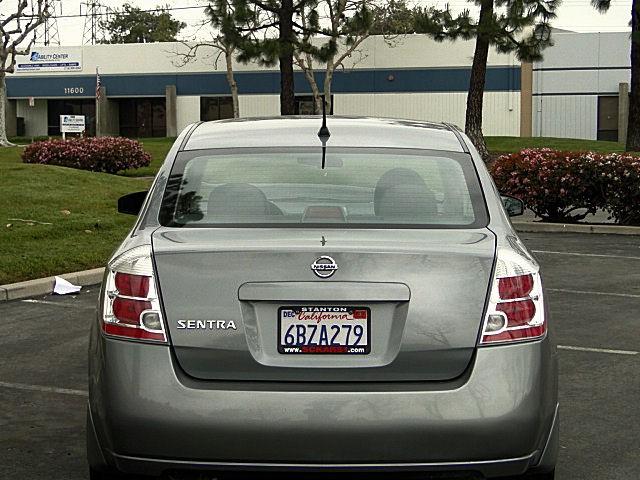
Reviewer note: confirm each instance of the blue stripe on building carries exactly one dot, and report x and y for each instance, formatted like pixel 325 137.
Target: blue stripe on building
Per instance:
pixel 215 83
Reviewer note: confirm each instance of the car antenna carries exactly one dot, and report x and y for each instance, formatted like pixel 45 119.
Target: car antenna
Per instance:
pixel 324 132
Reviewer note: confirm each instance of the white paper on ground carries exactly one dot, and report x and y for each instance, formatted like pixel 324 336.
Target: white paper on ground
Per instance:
pixel 62 287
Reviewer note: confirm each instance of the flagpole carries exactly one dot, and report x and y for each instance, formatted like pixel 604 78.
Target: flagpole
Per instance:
pixel 98 132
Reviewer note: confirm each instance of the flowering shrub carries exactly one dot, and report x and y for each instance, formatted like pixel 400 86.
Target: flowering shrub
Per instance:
pixel 567 186
pixel 98 154
pixel 622 176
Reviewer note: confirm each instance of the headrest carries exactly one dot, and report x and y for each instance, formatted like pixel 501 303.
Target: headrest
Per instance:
pixel 238 199
pixel 401 192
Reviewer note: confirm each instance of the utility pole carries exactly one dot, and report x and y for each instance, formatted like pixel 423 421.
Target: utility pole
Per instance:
pixel 50 34
pixel 93 12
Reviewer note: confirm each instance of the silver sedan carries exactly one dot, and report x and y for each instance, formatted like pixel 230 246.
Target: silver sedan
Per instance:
pixel 345 298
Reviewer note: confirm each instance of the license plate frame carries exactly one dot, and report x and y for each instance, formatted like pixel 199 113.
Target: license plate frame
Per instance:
pixel 315 348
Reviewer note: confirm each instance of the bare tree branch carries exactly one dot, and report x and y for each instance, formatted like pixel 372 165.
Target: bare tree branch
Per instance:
pixel 16 29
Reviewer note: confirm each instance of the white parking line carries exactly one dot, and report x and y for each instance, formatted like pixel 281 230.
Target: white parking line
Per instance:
pixel 577 254
pixel 589 292
pixel 56 304
pixel 40 388
pixel 597 350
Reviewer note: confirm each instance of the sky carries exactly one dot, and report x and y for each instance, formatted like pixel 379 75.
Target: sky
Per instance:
pixel 576 15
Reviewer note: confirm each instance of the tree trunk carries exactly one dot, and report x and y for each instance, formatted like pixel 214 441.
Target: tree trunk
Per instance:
pixel 306 64
pixel 287 85
pixel 233 85
pixel 633 129
pixel 315 91
pixel 4 142
pixel 328 80
pixel 473 123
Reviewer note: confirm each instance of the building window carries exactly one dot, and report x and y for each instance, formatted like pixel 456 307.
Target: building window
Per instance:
pixel 215 108
pixel 142 117
pixel 306 105
pixel 55 108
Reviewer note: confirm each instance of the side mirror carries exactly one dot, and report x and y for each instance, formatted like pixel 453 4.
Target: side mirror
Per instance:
pixel 131 203
pixel 514 206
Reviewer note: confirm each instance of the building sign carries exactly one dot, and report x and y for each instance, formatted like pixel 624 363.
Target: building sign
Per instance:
pixel 72 123
pixel 49 59
pixel 73 90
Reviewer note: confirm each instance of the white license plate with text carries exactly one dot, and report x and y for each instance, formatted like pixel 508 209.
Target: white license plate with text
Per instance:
pixel 321 330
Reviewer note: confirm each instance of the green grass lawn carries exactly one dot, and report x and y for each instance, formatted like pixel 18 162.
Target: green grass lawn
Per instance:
pixel 63 242
pixel 157 148
pixel 52 241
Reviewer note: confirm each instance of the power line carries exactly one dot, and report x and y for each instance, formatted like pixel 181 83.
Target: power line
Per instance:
pixel 93 31
pixel 49 34
pixel 105 13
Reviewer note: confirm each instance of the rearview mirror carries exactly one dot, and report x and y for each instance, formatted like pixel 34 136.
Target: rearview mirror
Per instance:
pixel 514 206
pixel 131 203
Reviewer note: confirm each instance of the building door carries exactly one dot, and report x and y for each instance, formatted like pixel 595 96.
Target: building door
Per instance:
pixel 142 117
pixel 608 118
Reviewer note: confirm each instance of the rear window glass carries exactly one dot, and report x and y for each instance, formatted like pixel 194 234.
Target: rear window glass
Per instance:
pixel 356 188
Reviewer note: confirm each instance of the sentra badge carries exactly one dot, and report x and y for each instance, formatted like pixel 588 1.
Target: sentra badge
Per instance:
pixel 207 325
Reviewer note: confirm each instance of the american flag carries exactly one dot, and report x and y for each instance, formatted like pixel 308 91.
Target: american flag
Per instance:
pixel 98 84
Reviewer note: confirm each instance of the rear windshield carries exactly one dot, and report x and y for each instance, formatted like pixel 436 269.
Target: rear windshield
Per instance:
pixel 376 188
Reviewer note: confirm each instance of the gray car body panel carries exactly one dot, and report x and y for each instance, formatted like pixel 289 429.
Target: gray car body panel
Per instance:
pixel 493 411
pixel 431 337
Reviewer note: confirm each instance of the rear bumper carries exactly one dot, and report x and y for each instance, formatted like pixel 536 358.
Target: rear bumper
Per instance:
pixel 497 420
pixel 489 469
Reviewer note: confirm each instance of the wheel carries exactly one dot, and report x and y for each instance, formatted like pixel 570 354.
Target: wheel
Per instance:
pixel 535 476
pixel 541 476
pixel 108 474
pixel 99 474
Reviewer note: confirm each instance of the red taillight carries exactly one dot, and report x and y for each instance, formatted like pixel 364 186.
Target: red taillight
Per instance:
pixel 129 311
pixel 132 285
pixel 516 311
pixel 522 334
pixel 131 306
pixel 515 287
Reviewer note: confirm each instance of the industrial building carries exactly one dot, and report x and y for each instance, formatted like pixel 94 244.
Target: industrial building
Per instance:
pixel 581 88
pixel 148 92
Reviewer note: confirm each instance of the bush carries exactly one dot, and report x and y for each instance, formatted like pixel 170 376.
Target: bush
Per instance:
pixel 622 174
pixel 97 154
pixel 567 186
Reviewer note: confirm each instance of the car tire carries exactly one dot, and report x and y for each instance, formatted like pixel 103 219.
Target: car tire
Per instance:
pixel 543 476
pixel 95 474
pixel 109 474
pixel 537 476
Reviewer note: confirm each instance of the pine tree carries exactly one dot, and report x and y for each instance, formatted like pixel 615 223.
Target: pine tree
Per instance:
pixel 270 32
pixel 633 128
pixel 135 25
pixel 396 17
pixel 519 26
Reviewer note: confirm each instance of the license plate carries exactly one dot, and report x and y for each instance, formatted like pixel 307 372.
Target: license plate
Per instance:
pixel 322 330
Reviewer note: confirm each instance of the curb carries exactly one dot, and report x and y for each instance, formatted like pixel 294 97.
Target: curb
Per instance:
pixel 44 286
pixel 539 227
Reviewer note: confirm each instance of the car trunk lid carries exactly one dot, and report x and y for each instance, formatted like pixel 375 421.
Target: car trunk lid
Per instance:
pixel 223 291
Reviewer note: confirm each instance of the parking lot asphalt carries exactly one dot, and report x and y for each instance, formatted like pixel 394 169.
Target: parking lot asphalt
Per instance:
pixel 593 289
